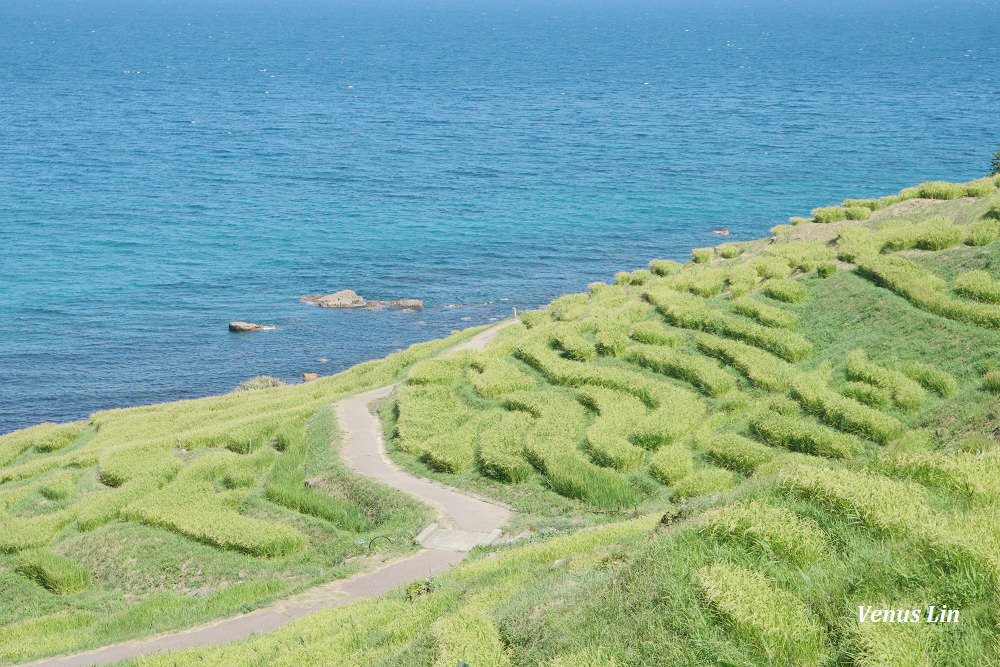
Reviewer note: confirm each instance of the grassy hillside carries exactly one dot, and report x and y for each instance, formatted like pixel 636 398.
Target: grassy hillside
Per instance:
pixel 150 518
pixel 805 423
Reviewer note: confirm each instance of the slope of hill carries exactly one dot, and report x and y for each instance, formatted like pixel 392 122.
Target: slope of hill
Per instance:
pixel 806 423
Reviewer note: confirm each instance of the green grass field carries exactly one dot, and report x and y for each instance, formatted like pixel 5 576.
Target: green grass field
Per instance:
pixel 807 424
pixel 158 517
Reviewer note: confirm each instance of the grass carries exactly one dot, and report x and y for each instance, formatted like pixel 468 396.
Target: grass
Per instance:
pixel 771 530
pixel 802 435
pixel 759 612
pixel 905 391
pixel 783 289
pixel 53 571
pixel 765 314
pixel 828 214
pixel 978 285
pixel 117 521
pixel 702 255
pixel 778 496
pixel 691 313
pixel 844 413
pixel 701 372
pixel 738 453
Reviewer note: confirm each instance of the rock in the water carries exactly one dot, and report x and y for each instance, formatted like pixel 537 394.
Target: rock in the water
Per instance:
pixel 243 327
pixel 345 298
pixel 309 377
pixel 412 304
pixel 351 299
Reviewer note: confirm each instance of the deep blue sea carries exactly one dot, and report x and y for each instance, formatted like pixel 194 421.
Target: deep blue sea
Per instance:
pixel 166 167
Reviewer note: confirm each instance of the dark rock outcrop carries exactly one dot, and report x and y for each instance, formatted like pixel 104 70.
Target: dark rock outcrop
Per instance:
pixel 244 327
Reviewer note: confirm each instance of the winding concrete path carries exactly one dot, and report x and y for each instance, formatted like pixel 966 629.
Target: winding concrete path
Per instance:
pixel 462 523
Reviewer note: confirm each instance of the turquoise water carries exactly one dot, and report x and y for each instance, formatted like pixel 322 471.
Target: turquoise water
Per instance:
pixel 168 169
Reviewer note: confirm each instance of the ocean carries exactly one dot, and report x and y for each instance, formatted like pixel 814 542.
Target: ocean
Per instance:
pixel 169 167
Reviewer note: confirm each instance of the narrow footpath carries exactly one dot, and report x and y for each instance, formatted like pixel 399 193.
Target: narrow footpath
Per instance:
pixel 462 523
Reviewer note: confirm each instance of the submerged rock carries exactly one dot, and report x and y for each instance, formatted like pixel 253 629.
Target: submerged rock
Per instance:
pixel 309 377
pixel 244 327
pixel 345 298
pixel 411 304
pixel 351 299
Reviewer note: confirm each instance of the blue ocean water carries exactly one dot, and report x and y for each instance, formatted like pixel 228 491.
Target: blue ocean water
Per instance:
pixel 168 167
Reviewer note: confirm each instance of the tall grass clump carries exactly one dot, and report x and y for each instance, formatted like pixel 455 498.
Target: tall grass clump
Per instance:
pixel 768 529
pixel 759 612
pixel 47 437
pixel 826 214
pixel 55 572
pixel 843 413
pixel 826 269
pixel 57 436
pixel 929 377
pixel 655 333
pixel 60 485
pixel 640 277
pixel 570 307
pixel 886 505
pixel 738 453
pixel 101 508
pixel 692 313
pixel 906 392
pixel 781 229
pixel 924 289
pixel 573 344
pixel 665 267
pixel 497 377
pixel 981 187
pixel 612 339
pixel 703 482
pixel 741 279
pixel 870 204
pixel 882 644
pixel 982 232
pixel 868 394
pixel 991 381
pixel 857 212
pixel 802 435
pixel 454 450
pixel 607 436
pixel 763 369
pixel 191 507
pixel 770 266
pixel 978 285
pixel 701 372
pixel 702 255
pixel 729 250
pixel 803 255
pixel 785 289
pixel 968 475
pixel 672 463
pixel 608 296
pixel 17 533
pixel 937 234
pixel 500 449
pixel 767 315
pixel 534 318
pixel 940 190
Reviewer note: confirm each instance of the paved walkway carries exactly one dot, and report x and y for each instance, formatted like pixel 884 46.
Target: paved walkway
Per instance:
pixel 462 523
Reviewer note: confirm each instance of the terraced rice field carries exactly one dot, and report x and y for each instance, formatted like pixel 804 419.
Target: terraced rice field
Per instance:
pixel 144 519
pixel 719 463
